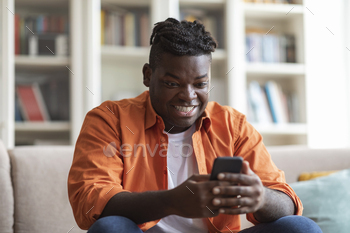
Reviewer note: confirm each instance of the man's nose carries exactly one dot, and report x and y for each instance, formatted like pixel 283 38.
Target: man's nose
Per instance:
pixel 188 94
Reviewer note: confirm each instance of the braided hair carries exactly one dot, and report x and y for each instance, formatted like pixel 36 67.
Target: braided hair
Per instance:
pixel 180 39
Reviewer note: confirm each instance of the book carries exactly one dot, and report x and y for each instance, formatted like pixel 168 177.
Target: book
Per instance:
pixel 144 30
pixel 103 17
pixel 129 35
pixel 269 48
pixel 259 105
pixel 39 25
pixel 275 102
pixel 54 89
pixel 18 115
pixel 17 35
pixel 125 27
pixel 31 103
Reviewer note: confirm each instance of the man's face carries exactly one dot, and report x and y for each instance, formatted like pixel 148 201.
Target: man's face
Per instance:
pixel 178 89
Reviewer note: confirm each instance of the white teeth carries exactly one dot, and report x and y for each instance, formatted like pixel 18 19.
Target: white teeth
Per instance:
pixel 184 109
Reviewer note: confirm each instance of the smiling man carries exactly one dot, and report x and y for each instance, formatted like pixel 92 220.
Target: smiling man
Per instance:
pixel 142 164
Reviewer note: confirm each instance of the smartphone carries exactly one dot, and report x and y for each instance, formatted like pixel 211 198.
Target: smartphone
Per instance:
pixel 226 164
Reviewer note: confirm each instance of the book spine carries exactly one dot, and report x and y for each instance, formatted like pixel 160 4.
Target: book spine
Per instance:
pixel 22 36
pixel 40 102
pixel 103 15
pixel 130 29
pixel 144 30
pixel 17 35
pixel 29 103
pixel 270 98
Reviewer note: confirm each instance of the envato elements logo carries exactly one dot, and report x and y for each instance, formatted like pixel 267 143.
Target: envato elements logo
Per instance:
pixel 110 150
pixel 184 150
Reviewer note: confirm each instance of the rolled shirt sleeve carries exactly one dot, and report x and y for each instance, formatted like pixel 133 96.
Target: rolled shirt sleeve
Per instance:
pixel 97 168
pixel 250 146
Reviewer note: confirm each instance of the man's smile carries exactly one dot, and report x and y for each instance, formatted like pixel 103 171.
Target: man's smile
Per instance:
pixel 185 110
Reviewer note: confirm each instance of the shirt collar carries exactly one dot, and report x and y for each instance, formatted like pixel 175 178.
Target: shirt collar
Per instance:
pixel 152 116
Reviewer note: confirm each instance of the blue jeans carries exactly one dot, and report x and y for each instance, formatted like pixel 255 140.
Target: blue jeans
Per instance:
pixel 288 224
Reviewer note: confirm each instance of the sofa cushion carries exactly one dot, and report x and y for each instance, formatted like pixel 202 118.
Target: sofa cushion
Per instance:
pixel 326 201
pixel 6 193
pixel 294 160
pixel 313 175
pixel 39 177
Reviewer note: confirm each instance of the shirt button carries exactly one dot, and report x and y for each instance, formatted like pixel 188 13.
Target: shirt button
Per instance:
pixel 162 140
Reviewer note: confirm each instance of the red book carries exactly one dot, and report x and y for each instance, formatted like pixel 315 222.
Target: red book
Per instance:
pixel 45 23
pixel 17 36
pixel 31 103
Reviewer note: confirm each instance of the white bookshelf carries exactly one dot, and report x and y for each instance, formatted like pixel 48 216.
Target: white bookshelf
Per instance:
pixel 282 69
pixel 123 52
pixel 282 129
pixel 272 11
pixel 41 61
pixel 42 126
pixel 318 80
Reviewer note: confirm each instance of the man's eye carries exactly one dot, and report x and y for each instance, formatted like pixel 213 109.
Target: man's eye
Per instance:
pixel 203 84
pixel 171 84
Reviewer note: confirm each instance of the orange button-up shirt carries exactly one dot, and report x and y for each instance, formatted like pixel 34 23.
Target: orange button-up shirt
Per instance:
pixel 122 147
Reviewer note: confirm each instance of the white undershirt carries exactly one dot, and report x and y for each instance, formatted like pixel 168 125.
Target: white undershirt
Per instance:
pixel 182 164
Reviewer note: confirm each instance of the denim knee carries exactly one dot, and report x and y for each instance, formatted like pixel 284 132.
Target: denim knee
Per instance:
pixel 114 224
pixel 296 224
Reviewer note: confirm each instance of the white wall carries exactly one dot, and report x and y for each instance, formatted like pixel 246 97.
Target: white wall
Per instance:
pixel 327 99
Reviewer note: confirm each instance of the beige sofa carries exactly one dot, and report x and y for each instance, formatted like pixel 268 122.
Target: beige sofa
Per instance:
pixel 33 183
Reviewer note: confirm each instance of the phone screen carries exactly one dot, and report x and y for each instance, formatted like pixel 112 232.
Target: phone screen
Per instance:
pixel 226 164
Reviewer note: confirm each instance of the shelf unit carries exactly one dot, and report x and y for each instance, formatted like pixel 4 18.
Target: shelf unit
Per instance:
pixel 42 127
pixel 280 18
pixel 41 61
pixel 98 73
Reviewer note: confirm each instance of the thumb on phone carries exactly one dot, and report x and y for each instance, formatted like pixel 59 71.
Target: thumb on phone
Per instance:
pixel 246 168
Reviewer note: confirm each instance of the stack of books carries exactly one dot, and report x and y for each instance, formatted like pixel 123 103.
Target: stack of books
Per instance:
pixel 42 98
pixel 268 47
pixel 41 34
pixel 123 27
pixel 269 104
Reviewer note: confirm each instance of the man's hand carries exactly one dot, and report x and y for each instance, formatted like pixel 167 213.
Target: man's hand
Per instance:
pixel 250 196
pixel 194 197
pixel 250 192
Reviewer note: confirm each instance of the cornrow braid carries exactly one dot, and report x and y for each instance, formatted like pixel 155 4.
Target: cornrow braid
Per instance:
pixel 180 39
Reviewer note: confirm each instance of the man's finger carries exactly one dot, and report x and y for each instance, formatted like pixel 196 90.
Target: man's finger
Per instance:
pixel 232 202
pixel 236 211
pixel 235 178
pixel 246 168
pixel 232 190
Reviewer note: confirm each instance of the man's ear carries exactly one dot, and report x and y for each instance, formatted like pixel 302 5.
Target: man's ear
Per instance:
pixel 147 73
